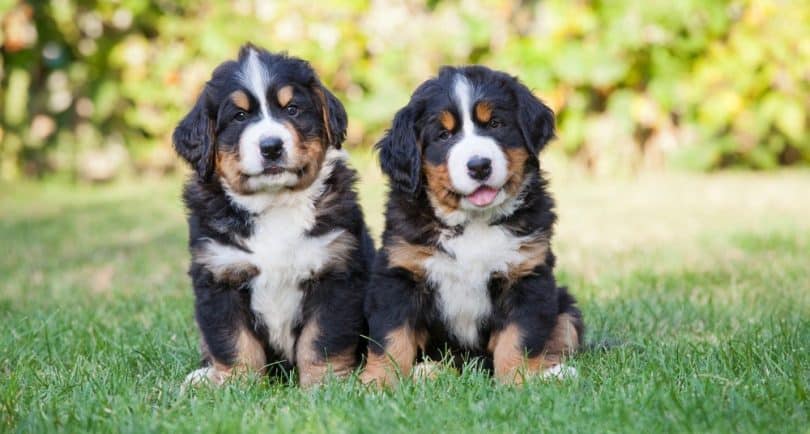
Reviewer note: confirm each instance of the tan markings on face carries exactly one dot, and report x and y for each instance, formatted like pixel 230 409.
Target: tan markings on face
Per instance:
pixel 284 95
pixel 447 120
pixel 516 163
pixel 229 169
pixel 483 111
pixel 324 113
pixel 509 357
pixel 534 253
pixel 411 257
pixel 240 100
pixel 314 364
pixel 440 187
pixel 308 157
pixel 398 357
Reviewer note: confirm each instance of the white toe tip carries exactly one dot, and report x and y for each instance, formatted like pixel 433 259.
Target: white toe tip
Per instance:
pixel 199 376
pixel 560 372
pixel 425 370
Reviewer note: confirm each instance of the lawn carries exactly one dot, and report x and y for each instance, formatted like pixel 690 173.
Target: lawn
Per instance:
pixel 695 291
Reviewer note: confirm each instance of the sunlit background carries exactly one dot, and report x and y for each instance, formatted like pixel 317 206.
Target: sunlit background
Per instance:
pixel 92 90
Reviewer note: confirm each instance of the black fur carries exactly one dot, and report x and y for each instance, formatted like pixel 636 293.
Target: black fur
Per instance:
pixel 209 125
pixel 397 297
pixel 399 153
pixel 194 138
pixel 222 307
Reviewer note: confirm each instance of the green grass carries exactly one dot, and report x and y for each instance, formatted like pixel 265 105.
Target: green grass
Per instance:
pixel 700 286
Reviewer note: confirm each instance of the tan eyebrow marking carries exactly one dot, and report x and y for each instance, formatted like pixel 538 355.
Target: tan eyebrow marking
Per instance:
pixel 483 111
pixel 447 120
pixel 284 95
pixel 241 100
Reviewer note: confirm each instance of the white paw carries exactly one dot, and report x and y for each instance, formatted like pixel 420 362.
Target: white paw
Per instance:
pixel 196 377
pixel 425 370
pixel 560 372
pixel 207 375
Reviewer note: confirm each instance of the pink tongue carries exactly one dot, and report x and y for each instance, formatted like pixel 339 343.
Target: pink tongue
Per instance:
pixel 483 196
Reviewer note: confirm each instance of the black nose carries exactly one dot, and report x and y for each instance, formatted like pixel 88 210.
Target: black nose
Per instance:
pixel 271 148
pixel 479 168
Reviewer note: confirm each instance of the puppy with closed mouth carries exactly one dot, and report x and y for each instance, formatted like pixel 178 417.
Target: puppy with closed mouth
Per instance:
pixel 280 251
pixel 466 266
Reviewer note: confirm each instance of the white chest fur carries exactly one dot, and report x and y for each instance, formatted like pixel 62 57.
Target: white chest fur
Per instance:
pixel 461 276
pixel 283 255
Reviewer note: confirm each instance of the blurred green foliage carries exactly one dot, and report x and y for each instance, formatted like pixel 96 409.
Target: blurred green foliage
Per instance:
pixel 94 88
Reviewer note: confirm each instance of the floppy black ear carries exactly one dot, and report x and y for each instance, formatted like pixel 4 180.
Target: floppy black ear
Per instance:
pixel 400 156
pixel 194 139
pixel 334 116
pixel 535 118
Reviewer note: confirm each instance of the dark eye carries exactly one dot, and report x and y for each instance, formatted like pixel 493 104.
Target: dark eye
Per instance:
pixel 444 135
pixel 240 116
pixel 291 110
pixel 494 123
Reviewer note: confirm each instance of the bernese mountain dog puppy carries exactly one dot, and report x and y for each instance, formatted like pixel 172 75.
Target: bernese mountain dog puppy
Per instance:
pixel 280 251
pixel 466 267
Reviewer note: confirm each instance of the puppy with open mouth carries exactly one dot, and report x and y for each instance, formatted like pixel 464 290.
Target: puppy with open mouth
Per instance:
pixel 466 266
pixel 280 251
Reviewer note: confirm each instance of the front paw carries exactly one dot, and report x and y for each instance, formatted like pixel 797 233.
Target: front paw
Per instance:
pixel 559 372
pixel 207 375
pixel 375 378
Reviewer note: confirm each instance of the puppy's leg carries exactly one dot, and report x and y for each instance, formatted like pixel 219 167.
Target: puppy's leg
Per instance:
pixel 565 338
pixel 391 311
pixel 394 358
pixel 514 361
pixel 229 344
pixel 331 332
pixel 536 335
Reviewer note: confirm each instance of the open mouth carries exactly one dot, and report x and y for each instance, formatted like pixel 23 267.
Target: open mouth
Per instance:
pixel 482 196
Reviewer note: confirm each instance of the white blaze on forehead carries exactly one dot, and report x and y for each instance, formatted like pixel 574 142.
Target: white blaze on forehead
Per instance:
pixel 256 78
pixel 463 93
pixel 472 145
